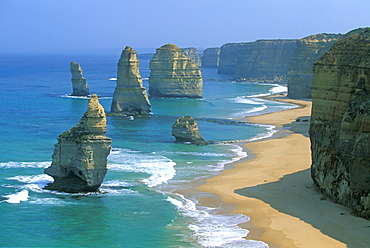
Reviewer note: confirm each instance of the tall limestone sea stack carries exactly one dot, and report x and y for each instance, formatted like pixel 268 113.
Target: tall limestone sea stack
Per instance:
pixel 130 97
pixel 173 74
pixel 79 162
pixel 79 85
pixel 340 123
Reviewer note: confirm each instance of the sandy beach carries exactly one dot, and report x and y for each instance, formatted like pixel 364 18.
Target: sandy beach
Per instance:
pixel 274 188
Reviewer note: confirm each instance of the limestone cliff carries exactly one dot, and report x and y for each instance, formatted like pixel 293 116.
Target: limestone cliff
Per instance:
pixel 340 123
pixel 228 58
pixel 173 74
pixel 185 129
pixel 130 97
pixel 211 57
pixel 308 51
pixel 79 162
pixel 79 85
pixel 264 60
pixel 193 54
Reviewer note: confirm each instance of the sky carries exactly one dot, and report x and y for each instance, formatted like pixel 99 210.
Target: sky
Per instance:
pixel 82 25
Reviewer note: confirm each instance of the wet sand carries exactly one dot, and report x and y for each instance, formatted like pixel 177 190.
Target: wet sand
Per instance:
pixel 273 187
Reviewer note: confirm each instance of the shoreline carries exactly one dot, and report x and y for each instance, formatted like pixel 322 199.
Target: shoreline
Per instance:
pixel 273 187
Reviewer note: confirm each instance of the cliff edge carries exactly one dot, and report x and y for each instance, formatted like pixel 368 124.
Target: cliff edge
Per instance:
pixel 340 123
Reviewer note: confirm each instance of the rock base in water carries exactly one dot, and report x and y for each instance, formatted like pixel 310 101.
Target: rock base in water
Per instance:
pixel 79 162
pixel 130 97
pixel 185 129
pixel 79 84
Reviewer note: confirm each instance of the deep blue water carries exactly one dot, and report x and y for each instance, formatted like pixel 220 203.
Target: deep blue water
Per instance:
pixel 137 206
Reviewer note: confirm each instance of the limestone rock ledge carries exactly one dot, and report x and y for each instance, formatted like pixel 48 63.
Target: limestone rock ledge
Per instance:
pixel 129 97
pixel 340 123
pixel 79 84
pixel 173 74
pixel 79 161
pixel 185 129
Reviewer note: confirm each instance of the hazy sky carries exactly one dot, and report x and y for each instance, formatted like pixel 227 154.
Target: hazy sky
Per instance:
pixel 59 25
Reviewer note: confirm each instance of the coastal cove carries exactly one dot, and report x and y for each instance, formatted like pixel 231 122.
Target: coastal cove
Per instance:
pixel 274 188
pixel 139 204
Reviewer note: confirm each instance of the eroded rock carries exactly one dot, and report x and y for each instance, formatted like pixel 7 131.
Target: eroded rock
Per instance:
pixel 185 129
pixel 173 74
pixel 340 123
pixel 79 84
pixel 130 97
pixel 79 161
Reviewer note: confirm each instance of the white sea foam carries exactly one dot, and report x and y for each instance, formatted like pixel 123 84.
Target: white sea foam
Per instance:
pixel 117 187
pixel 275 89
pixel 11 165
pixel 84 97
pixel 270 131
pixel 211 229
pixel 35 182
pixel 160 168
pixel 17 197
pixel 112 79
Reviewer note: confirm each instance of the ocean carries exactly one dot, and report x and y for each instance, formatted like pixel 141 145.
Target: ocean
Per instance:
pixel 139 204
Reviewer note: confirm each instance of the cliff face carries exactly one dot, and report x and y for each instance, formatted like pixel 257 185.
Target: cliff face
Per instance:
pixel 173 74
pixel 264 60
pixel 340 123
pixel 79 85
pixel 193 54
pixel 79 162
pixel 228 58
pixel 185 129
pixel 130 97
pixel 211 57
pixel 308 51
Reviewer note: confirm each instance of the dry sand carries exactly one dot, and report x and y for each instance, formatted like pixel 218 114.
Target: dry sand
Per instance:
pixel 273 187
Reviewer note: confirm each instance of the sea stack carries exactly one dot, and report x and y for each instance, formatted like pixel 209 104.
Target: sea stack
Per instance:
pixel 193 54
pixel 79 162
pixel 79 84
pixel 130 97
pixel 173 74
pixel 211 57
pixel 340 123
pixel 185 129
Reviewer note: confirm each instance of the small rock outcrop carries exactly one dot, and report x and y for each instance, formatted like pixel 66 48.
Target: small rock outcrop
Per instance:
pixel 185 129
pixel 173 74
pixel 193 54
pixel 130 97
pixel 307 52
pixel 211 57
pixel 79 162
pixel 79 85
pixel 340 123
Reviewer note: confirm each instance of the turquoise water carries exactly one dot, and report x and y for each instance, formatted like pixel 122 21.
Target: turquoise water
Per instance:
pixel 137 206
